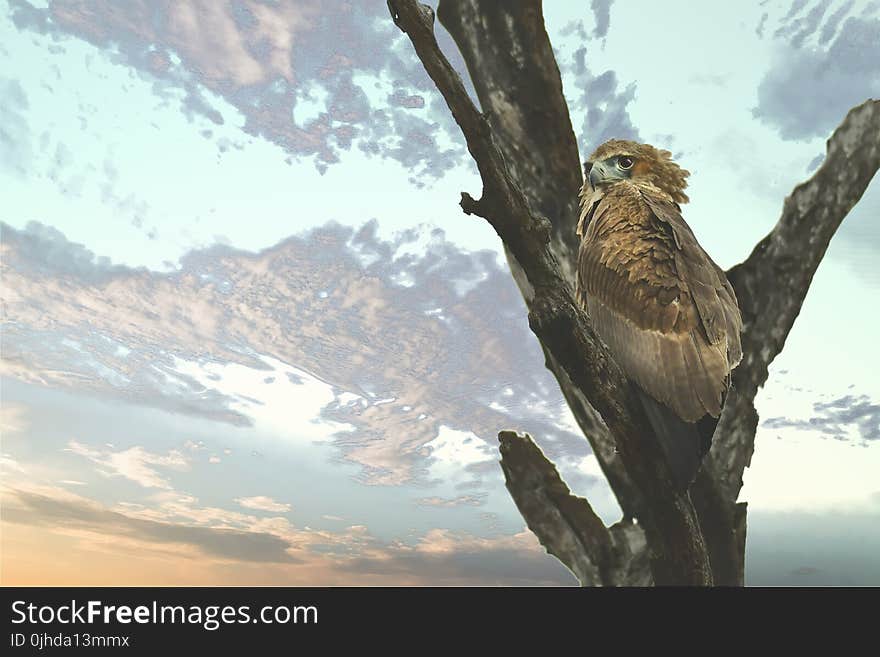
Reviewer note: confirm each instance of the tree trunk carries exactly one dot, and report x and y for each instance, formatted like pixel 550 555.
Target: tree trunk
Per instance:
pixel 526 152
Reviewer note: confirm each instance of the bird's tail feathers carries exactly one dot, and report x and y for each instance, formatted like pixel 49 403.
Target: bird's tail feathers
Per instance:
pixel 684 443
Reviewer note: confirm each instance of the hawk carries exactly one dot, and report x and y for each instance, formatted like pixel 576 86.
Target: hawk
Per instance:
pixel 665 310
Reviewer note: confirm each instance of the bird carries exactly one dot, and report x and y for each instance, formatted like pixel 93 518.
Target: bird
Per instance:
pixel 664 309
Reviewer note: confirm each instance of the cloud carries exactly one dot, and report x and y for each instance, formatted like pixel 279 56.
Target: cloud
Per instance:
pixel 602 13
pixel 207 539
pixel 834 418
pixel 15 136
pixel 759 29
pixel 604 106
pixel 833 23
pixel 303 74
pixel 262 503
pixel 464 559
pixel 13 419
pixel 451 502
pixel 815 451
pixel 70 512
pixel 45 249
pixel 405 336
pixel 10 464
pixel 50 268
pixel 816 74
pixel 815 162
pixel 797 29
pixel 135 463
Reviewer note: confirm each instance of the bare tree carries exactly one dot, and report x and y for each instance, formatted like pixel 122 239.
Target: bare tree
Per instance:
pixel 526 153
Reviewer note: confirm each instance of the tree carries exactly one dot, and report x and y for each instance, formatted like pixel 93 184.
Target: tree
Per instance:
pixel 526 153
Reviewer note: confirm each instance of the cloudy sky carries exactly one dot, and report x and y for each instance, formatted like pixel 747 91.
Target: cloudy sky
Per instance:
pixel 248 337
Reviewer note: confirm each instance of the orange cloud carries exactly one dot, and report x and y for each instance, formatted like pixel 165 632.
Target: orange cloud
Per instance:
pixel 53 537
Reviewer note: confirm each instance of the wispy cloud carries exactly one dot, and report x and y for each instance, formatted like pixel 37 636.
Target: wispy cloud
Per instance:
pixel 304 74
pixel 210 539
pixel 597 97
pixel 263 503
pixel 824 64
pixel 60 511
pixel 385 344
pixel 15 131
pixel 136 463
pixel 835 418
pixel 13 419
pixel 451 502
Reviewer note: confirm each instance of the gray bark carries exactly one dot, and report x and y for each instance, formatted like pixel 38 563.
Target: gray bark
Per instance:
pixel 511 64
pixel 526 153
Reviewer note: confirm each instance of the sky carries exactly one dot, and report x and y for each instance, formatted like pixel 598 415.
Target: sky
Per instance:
pixel 248 336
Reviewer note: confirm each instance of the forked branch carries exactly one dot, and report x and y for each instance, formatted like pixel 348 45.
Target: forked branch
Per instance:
pixel 678 552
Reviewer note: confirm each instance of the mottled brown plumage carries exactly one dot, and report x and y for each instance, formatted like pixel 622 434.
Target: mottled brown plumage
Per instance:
pixel 663 307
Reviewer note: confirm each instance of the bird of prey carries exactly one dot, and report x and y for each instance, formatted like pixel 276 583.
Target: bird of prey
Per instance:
pixel 665 310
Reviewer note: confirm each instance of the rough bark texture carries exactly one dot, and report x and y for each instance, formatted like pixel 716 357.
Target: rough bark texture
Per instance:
pixel 520 92
pixel 566 524
pixel 678 554
pixel 570 529
pixel 527 156
pixel 511 64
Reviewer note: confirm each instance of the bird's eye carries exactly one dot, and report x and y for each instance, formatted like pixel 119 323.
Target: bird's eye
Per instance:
pixel 625 162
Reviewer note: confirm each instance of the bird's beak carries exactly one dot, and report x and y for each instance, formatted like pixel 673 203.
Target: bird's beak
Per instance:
pixel 598 174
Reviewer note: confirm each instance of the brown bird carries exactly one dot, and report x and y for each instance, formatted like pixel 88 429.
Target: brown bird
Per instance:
pixel 665 310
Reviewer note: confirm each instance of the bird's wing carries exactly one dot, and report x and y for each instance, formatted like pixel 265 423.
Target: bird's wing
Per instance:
pixel 655 297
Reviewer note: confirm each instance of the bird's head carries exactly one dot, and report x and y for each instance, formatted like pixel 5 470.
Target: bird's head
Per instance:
pixel 617 160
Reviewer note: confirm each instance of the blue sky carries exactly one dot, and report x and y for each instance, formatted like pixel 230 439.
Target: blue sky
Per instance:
pixel 249 336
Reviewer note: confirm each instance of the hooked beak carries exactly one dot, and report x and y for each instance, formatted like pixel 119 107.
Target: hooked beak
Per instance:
pixel 598 174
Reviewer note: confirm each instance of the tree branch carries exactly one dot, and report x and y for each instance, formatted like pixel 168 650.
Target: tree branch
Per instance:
pixel 772 283
pixel 677 548
pixel 566 525
pixel 520 91
pixel 511 64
